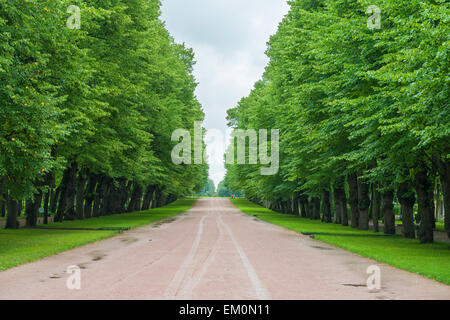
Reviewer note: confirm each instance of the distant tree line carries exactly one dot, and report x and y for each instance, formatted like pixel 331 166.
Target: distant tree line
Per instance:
pixel 208 190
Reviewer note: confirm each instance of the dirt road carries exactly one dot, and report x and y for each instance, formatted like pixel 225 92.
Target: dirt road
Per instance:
pixel 212 252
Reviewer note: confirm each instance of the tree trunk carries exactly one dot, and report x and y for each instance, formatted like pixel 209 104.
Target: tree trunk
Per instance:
pixel 375 206
pixel 158 195
pixel 89 195
pixel 423 186
pixel 2 205
pixel 316 208
pixel 338 210
pixel 363 204
pixel 148 197
pixel 341 199
pixel 70 213
pixel 108 191
pixel 126 195
pixel 444 173
pixel 46 205
pixel 66 205
pixel 32 209
pixel 303 206
pixel 432 206
pixel 387 206
pixel 98 197
pixel 54 196
pixel 310 209
pixel 295 207
pixel 407 199
pixel 352 180
pixel 136 198
pixel 326 207
pixel 120 196
pixel 81 183
pixel 12 215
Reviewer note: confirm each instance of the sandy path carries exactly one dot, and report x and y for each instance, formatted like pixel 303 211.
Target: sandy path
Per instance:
pixel 212 252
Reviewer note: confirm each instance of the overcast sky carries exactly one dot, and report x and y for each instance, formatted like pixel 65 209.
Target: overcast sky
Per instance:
pixel 229 40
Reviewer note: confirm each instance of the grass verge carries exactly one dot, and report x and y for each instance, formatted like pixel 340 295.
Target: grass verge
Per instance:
pixel 26 245
pixel 429 260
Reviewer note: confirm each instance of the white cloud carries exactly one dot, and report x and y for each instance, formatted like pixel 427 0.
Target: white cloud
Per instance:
pixel 229 40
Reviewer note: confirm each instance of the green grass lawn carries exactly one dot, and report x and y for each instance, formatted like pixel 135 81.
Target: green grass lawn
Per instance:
pixel 27 245
pixel 430 260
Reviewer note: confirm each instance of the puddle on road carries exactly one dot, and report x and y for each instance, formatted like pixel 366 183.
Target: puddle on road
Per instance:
pixel 357 285
pixel 97 255
pixel 163 222
pixel 322 248
pixel 129 240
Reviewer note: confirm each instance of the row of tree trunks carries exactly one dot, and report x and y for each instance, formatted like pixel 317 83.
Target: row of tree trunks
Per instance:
pixel 82 194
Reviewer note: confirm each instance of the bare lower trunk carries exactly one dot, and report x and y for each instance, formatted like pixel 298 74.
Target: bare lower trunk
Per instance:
pixel 96 210
pixel 326 206
pixel 316 208
pixel 2 206
pixel 136 198
pixel 387 206
pixel 444 173
pixel 363 204
pixel 406 197
pixel 423 185
pixel 352 180
pixel 120 196
pixel 338 204
pixel 32 209
pixel 46 205
pixel 89 195
pixel 70 213
pixel 66 208
pixel 303 206
pixel 375 206
pixel 295 206
pixel 12 215
pixel 158 196
pixel 108 191
pixel 54 196
pixel 80 184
